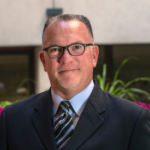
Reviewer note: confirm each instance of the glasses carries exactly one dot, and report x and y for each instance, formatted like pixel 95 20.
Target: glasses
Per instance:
pixel 76 49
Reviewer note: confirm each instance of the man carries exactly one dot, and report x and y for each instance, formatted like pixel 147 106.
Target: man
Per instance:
pixel 75 114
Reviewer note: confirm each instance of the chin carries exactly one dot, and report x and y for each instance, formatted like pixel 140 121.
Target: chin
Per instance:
pixel 68 84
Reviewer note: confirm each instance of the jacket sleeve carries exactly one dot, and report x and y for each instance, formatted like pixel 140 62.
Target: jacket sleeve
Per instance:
pixel 3 136
pixel 140 139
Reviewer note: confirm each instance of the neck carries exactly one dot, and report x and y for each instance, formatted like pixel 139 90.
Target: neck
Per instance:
pixel 68 93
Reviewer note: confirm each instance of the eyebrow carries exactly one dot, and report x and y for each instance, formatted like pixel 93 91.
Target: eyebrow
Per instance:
pixel 64 46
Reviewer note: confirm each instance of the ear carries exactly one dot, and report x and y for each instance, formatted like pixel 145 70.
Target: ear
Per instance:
pixel 95 55
pixel 42 58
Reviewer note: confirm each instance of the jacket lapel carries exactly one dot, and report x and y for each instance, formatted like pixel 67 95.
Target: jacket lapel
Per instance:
pixel 43 120
pixel 90 119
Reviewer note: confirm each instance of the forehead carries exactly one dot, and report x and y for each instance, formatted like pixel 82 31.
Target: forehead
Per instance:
pixel 66 30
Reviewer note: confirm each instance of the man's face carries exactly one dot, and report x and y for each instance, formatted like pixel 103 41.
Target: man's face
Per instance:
pixel 69 72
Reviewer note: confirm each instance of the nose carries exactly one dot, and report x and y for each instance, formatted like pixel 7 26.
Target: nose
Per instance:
pixel 66 57
pixel 66 53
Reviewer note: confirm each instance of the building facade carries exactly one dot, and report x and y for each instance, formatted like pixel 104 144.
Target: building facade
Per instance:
pixel 121 29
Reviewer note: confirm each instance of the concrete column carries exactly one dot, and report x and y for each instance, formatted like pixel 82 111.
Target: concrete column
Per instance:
pixel 41 77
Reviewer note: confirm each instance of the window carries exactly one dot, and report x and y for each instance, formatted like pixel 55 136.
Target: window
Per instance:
pixel 16 73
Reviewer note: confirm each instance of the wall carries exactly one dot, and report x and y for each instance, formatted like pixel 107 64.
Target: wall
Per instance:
pixel 113 21
pixel 22 21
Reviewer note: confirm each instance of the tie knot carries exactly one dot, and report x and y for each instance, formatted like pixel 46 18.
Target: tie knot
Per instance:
pixel 65 105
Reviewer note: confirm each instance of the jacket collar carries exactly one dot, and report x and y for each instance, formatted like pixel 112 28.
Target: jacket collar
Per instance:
pixel 43 120
pixel 90 119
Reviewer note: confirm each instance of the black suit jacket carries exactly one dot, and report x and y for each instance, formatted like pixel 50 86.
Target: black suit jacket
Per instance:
pixel 107 123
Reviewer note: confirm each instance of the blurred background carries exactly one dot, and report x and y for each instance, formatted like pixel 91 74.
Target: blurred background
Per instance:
pixel 121 29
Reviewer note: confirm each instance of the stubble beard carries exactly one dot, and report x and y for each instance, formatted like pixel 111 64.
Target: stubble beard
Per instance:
pixel 66 85
pixel 67 81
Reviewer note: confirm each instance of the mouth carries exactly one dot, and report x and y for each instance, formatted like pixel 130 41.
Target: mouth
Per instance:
pixel 67 70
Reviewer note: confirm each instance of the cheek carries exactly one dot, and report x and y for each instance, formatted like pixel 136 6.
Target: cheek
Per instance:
pixel 89 61
pixel 51 67
pixel 94 64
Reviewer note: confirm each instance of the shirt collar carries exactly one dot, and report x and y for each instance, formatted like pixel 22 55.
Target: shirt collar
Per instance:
pixel 77 102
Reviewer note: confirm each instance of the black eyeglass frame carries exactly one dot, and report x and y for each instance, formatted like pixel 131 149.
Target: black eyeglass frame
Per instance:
pixel 67 47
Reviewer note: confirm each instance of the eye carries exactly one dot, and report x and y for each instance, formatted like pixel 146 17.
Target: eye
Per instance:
pixel 54 49
pixel 77 46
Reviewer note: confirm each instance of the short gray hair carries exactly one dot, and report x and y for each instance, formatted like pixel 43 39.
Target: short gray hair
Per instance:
pixel 68 17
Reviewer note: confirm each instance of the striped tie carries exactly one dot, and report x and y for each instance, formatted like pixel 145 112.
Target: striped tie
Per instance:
pixel 63 126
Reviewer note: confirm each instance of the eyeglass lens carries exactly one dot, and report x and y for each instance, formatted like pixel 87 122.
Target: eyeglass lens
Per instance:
pixel 75 49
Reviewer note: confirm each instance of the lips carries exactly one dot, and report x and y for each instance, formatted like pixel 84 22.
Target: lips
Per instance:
pixel 61 70
pixel 67 70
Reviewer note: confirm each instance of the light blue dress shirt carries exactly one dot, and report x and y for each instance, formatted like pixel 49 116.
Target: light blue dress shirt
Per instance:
pixel 77 102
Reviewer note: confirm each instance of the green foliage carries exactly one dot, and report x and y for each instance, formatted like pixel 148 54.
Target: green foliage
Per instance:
pixel 5 103
pixel 26 80
pixel 118 87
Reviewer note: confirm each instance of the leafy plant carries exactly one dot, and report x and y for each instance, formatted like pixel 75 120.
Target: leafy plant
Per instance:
pixel 24 81
pixel 5 103
pixel 120 88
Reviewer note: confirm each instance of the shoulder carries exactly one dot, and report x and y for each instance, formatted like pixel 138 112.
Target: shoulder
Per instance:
pixel 25 106
pixel 120 103
pixel 116 105
pixel 125 110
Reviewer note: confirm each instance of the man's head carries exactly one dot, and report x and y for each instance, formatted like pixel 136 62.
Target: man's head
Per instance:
pixel 68 74
pixel 68 17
